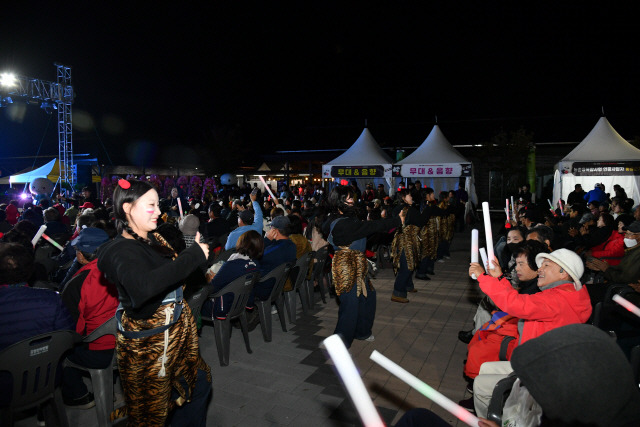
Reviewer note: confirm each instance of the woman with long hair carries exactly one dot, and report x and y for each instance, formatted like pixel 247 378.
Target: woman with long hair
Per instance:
pixel 348 236
pixel 157 343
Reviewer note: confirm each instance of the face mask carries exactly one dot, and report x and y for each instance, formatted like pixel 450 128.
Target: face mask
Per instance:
pixel 630 242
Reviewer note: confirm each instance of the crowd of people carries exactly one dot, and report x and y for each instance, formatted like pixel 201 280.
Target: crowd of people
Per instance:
pixel 551 268
pixel 138 257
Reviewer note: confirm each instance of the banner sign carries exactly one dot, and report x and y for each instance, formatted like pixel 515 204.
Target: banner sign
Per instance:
pixel 357 171
pixel 447 170
pixel 605 168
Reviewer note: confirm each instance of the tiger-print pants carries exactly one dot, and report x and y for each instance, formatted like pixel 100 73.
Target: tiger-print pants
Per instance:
pixel 147 394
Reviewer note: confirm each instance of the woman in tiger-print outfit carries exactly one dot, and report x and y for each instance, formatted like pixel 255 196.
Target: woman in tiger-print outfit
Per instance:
pixel 347 234
pixel 405 248
pixel 163 375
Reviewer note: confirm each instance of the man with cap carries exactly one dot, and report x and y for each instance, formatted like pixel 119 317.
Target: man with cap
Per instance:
pixel 628 271
pixel 85 245
pixel 91 300
pixel 562 301
pixel 189 226
pixel 278 249
pixel 246 222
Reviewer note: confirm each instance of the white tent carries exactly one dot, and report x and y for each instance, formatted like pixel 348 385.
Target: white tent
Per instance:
pixel 602 157
pixel 437 165
pixel 364 161
pixel 50 170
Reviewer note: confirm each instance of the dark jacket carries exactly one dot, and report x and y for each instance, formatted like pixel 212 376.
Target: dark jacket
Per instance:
pixel 143 276
pixel 26 312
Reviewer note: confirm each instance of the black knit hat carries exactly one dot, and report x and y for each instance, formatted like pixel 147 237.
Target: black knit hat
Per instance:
pixel 577 373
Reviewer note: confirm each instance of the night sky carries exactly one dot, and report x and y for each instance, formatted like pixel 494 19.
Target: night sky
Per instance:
pixel 176 84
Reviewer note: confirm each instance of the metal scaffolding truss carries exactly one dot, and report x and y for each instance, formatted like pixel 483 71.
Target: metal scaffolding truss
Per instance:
pixel 68 173
pixel 50 95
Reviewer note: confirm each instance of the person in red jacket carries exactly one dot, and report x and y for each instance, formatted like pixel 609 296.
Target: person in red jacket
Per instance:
pixel 92 300
pixel 611 250
pixel 563 301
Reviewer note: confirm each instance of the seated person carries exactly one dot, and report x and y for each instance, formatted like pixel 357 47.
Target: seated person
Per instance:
pixel 87 244
pixel 24 312
pixel 628 270
pixel 91 301
pixel 562 301
pixel 249 249
pixel 55 228
pixel 278 249
pixel 486 345
pixel 216 227
pixel 247 220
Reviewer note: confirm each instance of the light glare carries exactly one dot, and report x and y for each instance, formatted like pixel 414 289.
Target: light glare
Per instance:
pixel 7 79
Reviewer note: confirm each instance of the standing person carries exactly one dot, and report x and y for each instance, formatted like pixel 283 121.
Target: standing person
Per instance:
pixel 348 236
pixel 428 235
pixel 405 248
pixel 157 343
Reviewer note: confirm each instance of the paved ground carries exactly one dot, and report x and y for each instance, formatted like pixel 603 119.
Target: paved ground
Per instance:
pixel 289 382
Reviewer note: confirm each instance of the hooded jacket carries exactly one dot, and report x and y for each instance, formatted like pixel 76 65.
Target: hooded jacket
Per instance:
pixel 543 311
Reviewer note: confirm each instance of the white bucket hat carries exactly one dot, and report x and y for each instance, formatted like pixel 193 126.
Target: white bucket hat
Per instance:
pixel 568 260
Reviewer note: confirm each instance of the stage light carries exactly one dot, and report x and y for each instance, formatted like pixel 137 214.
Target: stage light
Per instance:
pixel 23 196
pixel 7 79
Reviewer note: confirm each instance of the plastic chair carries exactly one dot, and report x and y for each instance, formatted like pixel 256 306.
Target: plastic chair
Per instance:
pixel 280 274
pixel 197 299
pixel 498 397
pixel 298 277
pixel 241 289
pixel 33 364
pixel 101 379
pixel 320 257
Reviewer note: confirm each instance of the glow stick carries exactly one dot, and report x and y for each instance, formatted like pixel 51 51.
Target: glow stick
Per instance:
pixel 550 204
pixel 180 208
pixel 434 395
pixel 38 234
pixel 352 381
pixel 474 248
pixel 507 210
pixel 53 242
pixel 627 304
pixel 483 254
pixel 267 187
pixel 561 207
pixel 513 207
pixel 487 232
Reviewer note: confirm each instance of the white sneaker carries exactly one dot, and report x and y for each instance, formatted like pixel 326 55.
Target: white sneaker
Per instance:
pixel 274 310
pixel 370 338
pixel 440 260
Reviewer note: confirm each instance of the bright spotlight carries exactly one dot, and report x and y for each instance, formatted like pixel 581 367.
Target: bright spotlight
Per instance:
pixel 7 79
pixel 23 196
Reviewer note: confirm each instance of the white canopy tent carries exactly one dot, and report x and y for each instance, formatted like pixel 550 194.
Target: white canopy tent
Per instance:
pixel 364 161
pixel 50 170
pixel 437 165
pixel 602 157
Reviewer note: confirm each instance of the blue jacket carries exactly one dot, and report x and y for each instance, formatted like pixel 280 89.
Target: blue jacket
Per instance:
pixel 26 312
pixel 595 195
pixel 257 226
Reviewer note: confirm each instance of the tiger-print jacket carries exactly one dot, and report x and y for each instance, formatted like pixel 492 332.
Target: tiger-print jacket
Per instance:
pixel 406 239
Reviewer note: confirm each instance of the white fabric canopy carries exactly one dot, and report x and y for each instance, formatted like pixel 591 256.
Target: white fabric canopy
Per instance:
pixel 600 150
pixel 365 154
pixel 437 164
pixel 50 170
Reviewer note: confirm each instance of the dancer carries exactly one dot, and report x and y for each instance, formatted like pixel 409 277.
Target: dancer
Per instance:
pixel 157 343
pixel 348 236
pixel 428 235
pixel 405 248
